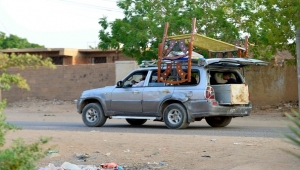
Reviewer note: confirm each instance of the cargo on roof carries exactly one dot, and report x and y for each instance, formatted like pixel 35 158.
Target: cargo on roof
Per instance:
pixel 207 43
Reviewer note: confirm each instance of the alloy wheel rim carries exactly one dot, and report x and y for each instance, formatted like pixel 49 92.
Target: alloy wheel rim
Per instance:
pixel 174 116
pixel 92 115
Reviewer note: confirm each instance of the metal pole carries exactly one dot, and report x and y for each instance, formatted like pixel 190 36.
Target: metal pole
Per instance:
pixel 298 63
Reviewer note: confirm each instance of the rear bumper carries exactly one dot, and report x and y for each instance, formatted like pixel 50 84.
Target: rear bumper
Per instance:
pixel 237 111
pixel 207 110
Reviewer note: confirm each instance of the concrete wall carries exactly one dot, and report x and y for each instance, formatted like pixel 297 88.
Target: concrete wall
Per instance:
pixel 268 85
pixel 63 83
pixel 272 85
pixel 123 68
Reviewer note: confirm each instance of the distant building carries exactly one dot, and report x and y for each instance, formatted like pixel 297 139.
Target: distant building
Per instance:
pixel 69 56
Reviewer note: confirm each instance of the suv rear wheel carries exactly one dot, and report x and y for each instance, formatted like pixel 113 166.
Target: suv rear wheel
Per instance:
pixel 136 122
pixel 175 116
pixel 218 121
pixel 93 116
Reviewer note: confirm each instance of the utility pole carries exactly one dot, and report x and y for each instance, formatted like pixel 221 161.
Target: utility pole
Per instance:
pixel 298 63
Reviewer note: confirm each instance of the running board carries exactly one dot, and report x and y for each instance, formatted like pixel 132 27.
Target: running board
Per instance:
pixel 133 117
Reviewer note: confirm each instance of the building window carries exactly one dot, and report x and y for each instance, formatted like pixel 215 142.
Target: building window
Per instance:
pixel 57 60
pixel 97 60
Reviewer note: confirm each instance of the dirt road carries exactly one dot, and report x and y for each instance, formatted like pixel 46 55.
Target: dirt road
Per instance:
pixel 154 151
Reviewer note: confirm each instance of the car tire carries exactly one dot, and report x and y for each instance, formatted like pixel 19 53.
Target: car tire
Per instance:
pixel 175 116
pixel 93 116
pixel 136 122
pixel 218 121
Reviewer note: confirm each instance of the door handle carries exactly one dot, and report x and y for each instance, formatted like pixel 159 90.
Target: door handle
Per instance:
pixel 135 92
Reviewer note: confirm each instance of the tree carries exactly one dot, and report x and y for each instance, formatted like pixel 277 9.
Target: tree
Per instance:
pixel 19 155
pixel 13 41
pixel 140 31
pixel 271 24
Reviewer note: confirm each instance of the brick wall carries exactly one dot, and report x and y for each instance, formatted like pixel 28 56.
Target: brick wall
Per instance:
pixel 63 83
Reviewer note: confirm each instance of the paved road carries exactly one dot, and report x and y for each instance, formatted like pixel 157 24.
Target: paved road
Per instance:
pixel 239 127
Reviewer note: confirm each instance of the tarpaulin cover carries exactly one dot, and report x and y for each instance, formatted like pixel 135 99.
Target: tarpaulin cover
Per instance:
pixel 207 43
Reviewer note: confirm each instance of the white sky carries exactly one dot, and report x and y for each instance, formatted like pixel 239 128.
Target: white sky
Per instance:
pixel 57 23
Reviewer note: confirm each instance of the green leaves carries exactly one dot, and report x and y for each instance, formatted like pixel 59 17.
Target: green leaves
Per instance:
pixel 22 61
pixel 13 41
pixel 271 25
pixel 295 139
pixel 21 156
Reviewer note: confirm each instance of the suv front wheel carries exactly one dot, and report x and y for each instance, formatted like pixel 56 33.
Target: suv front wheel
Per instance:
pixel 93 116
pixel 175 116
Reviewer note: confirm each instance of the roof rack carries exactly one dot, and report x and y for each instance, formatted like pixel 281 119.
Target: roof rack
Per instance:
pixel 153 63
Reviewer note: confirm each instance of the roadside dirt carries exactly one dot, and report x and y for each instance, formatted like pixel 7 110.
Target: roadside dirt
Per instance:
pixel 154 151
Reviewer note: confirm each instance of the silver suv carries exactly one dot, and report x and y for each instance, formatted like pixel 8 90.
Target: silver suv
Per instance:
pixel 207 96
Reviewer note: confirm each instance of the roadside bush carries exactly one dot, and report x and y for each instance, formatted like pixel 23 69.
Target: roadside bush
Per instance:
pixel 295 128
pixel 18 156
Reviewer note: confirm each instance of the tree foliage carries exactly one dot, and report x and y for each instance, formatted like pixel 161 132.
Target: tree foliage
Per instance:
pixel 19 156
pixel 270 24
pixel 13 41
pixel 22 61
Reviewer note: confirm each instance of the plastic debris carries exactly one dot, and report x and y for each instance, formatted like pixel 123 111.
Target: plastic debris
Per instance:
pixel 109 165
pixel 127 150
pixel 82 156
pixel 53 151
pixel 70 166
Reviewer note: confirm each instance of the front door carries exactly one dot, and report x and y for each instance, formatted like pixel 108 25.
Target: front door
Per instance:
pixel 127 101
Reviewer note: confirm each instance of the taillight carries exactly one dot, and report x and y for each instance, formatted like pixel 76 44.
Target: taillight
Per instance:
pixel 209 94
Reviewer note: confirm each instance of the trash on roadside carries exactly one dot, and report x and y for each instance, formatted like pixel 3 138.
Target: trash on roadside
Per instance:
pixel 110 165
pixel 127 150
pixel 237 143
pixel 52 151
pixel 206 156
pixel 155 153
pixel 69 166
pixel 82 156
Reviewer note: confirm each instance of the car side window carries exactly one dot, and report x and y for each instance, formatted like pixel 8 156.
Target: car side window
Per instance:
pixel 136 79
pixel 153 80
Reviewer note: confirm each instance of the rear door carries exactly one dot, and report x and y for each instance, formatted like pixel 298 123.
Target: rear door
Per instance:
pixel 154 93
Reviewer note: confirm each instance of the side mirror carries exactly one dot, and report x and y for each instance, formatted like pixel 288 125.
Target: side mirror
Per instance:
pixel 120 84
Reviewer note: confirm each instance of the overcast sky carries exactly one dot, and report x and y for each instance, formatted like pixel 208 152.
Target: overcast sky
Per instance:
pixel 57 23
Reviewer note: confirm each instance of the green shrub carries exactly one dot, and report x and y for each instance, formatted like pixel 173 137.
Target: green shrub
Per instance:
pixel 294 139
pixel 18 156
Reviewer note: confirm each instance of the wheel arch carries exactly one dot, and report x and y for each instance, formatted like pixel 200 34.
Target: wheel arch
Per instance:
pixel 92 100
pixel 167 103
